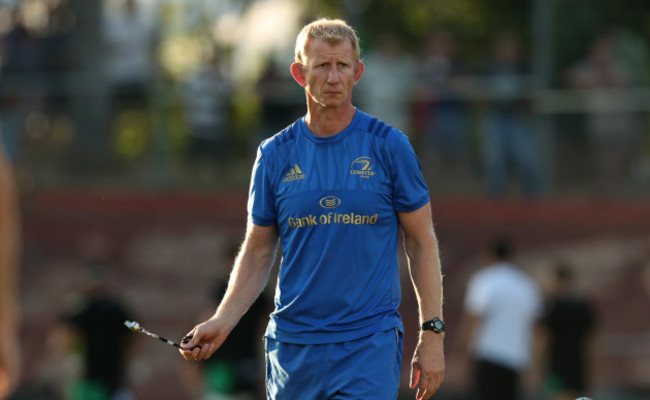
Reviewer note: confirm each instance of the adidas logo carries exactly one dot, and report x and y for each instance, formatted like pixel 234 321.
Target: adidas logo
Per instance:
pixel 294 174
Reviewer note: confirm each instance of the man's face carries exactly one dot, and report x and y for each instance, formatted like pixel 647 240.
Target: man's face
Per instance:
pixel 329 72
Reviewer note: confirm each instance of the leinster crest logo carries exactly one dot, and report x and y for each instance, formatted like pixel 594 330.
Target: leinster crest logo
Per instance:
pixel 362 167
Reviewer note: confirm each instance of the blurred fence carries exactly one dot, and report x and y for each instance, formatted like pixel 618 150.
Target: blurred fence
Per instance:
pixel 69 118
pixel 149 146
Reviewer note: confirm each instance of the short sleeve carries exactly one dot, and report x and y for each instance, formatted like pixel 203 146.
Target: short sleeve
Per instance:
pixel 261 205
pixel 476 297
pixel 410 191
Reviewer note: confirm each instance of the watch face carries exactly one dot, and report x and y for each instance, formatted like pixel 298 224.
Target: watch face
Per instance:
pixel 435 325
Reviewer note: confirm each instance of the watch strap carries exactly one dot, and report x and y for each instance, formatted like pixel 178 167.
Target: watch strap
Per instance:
pixel 436 325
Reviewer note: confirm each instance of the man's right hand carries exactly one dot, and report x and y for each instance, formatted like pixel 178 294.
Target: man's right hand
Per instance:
pixel 206 338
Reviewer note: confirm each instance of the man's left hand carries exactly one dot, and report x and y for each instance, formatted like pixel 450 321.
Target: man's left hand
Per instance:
pixel 428 365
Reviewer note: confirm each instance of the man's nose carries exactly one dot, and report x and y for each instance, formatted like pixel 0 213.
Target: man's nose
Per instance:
pixel 333 75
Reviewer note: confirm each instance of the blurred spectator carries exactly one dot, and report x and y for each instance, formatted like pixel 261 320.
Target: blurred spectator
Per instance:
pixel 612 128
pixel 632 49
pixel 130 42
pixel 20 46
pixel 20 57
pixel 55 55
pixel 569 329
pixel 509 142
pixel 386 89
pixel 502 307
pixel 444 117
pixel 207 100
pixel 236 370
pixel 54 41
pixel 95 323
pixel 9 254
pixel 281 101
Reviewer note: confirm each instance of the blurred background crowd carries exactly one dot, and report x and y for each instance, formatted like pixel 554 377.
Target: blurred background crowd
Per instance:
pixel 537 98
pixel 131 127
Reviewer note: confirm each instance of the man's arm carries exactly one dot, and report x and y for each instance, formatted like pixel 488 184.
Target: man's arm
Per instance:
pixel 428 365
pixel 9 250
pixel 249 276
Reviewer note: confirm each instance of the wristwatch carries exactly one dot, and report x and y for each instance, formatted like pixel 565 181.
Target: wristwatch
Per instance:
pixel 435 325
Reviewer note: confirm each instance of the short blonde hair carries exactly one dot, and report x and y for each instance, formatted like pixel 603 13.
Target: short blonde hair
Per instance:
pixel 329 30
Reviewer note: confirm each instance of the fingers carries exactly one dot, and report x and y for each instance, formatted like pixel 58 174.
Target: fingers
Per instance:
pixel 190 339
pixel 203 352
pixel 420 380
pixel 422 392
pixel 199 352
pixel 190 348
pixel 428 386
pixel 415 376
pixel 427 382
pixel 200 343
pixel 187 343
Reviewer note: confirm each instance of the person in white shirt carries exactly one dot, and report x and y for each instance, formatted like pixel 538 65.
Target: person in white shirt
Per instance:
pixel 502 307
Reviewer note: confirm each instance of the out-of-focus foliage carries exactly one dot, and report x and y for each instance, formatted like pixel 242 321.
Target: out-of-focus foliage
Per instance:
pixel 575 23
pixel 471 20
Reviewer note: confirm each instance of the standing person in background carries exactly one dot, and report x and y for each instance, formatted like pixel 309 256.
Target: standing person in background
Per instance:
pixel 96 323
pixel 236 370
pixel 336 186
pixel 387 88
pixel 279 100
pixel 509 139
pixel 9 256
pixel 502 307
pixel 569 327
pixel 131 41
pixel 207 100
pixel 612 126
pixel 443 97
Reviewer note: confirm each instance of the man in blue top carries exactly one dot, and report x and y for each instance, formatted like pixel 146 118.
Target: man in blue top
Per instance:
pixel 335 186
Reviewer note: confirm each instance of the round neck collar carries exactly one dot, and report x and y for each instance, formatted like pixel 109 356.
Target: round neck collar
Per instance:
pixel 333 138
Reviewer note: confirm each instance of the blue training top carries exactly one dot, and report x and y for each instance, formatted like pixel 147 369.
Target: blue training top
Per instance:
pixel 334 201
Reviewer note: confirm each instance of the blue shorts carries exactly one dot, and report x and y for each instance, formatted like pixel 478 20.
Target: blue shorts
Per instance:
pixel 366 368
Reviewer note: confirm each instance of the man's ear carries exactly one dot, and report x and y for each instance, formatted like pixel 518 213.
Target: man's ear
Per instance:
pixel 358 71
pixel 296 72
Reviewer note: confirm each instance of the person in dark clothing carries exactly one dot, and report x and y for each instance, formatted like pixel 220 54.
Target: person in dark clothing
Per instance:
pixel 98 322
pixel 509 141
pixel 237 367
pixel 569 321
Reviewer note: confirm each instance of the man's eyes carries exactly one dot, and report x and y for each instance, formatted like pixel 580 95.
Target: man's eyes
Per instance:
pixel 327 65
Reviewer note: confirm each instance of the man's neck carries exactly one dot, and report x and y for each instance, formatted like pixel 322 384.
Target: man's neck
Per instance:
pixel 326 121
